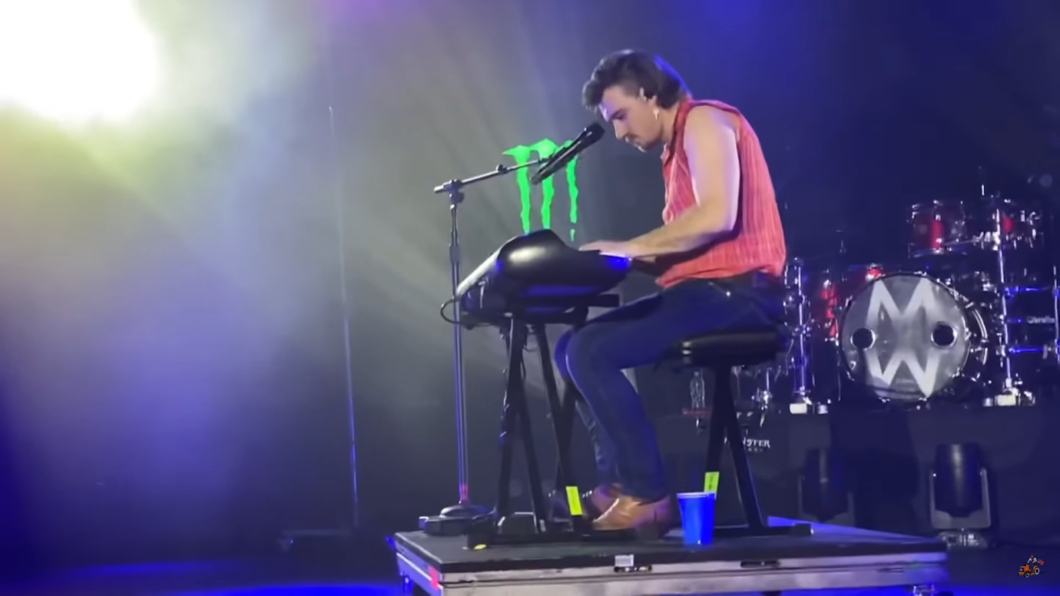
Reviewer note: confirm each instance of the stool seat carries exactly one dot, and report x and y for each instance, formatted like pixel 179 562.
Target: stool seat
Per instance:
pixel 746 347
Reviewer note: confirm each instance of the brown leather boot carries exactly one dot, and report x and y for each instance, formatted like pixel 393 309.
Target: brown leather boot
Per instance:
pixel 600 499
pixel 594 502
pixel 649 520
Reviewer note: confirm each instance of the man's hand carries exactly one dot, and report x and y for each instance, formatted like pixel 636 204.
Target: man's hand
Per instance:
pixel 608 247
pixel 625 250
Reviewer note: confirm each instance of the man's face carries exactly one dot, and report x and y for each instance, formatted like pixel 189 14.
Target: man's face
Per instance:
pixel 633 117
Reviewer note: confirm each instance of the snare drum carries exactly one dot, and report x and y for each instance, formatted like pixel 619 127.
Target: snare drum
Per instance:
pixel 907 337
pixel 830 292
pixel 938 228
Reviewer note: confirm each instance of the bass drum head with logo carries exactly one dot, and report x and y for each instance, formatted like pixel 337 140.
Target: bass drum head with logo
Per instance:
pixel 907 337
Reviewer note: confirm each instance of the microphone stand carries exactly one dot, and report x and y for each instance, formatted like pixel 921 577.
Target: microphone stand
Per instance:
pixel 464 511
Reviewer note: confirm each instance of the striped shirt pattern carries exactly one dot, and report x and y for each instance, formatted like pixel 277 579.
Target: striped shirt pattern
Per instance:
pixel 757 243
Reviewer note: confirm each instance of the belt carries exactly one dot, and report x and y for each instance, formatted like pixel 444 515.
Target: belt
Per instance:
pixel 766 290
pixel 752 279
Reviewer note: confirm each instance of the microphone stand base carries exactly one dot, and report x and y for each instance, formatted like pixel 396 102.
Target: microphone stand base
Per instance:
pixel 455 520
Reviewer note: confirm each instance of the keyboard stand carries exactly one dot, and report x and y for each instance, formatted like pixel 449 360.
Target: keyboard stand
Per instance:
pixel 541 525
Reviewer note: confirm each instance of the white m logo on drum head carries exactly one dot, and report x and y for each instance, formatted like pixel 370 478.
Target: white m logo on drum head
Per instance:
pixel 911 327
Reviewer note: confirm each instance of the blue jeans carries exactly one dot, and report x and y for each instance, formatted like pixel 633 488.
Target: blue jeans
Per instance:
pixel 637 334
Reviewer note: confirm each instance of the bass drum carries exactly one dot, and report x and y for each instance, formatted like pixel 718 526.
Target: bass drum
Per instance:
pixel 907 337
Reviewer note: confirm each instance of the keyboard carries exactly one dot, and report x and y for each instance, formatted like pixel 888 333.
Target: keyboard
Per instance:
pixel 538 274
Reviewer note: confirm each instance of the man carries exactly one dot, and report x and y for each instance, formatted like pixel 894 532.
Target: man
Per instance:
pixel 719 255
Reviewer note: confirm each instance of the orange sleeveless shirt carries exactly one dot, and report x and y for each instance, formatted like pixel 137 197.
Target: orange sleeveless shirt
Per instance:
pixel 757 242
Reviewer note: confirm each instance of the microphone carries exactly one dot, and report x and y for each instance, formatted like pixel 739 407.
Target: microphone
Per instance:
pixel 588 137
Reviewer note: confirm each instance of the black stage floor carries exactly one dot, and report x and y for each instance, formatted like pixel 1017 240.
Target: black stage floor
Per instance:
pixel 991 573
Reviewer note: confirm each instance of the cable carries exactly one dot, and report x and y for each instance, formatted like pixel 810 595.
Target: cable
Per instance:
pixel 506 338
pixel 441 311
pixel 504 335
pixel 445 317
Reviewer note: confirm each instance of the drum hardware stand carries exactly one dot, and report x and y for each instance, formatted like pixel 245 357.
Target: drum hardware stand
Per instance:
pixel 762 399
pixel 763 396
pixel 457 518
pixel 748 418
pixel 751 412
pixel 1011 392
pixel 698 394
pixel 1053 351
pixel 799 362
pixel 1051 246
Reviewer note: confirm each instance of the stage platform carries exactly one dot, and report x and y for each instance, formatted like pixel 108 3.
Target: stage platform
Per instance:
pixel 832 557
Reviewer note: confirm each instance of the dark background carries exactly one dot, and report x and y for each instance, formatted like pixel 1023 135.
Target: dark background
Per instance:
pixel 173 362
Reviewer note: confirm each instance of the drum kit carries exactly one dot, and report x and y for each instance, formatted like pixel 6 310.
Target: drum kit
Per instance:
pixel 971 317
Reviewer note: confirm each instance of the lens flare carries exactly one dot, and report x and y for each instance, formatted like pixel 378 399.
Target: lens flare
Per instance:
pixel 76 61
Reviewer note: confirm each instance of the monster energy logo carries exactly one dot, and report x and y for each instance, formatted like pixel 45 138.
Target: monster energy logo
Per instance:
pixel 544 148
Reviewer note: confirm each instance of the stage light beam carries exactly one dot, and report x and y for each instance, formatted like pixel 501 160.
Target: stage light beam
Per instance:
pixel 76 61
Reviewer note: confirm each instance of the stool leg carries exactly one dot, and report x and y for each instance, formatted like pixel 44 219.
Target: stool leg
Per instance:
pixel 725 412
pixel 715 439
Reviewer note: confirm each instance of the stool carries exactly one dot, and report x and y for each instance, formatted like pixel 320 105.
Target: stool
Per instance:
pixel 720 352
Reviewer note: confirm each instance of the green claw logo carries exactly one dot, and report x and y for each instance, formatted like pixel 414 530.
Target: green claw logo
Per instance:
pixel 543 148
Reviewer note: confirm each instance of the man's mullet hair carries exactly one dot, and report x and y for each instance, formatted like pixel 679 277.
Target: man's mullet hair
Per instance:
pixel 634 70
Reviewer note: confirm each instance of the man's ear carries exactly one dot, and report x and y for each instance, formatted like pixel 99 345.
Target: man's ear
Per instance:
pixel 651 101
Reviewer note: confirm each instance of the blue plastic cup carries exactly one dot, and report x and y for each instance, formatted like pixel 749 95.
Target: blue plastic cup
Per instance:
pixel 697 516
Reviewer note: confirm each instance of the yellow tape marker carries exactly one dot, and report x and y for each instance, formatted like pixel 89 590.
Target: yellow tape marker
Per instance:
pixel 574 500
pixel 710 482
pixel 480 547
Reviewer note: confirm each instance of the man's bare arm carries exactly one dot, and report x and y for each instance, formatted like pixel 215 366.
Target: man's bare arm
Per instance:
pixel 710 143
